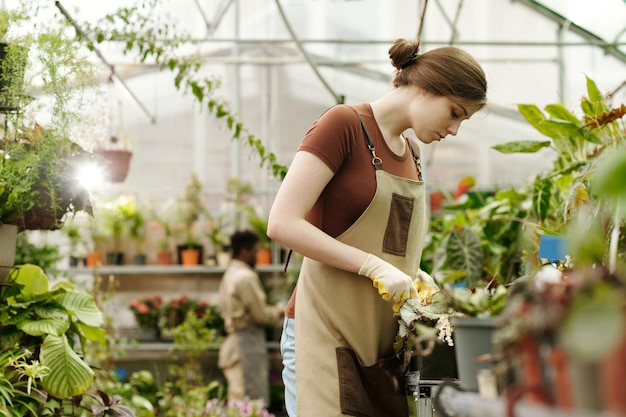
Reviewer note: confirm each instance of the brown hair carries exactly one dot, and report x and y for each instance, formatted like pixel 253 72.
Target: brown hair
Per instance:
pixel 446 71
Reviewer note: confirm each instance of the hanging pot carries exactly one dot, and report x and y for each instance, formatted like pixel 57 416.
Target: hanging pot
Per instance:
pixel 117 163
pixel 8 241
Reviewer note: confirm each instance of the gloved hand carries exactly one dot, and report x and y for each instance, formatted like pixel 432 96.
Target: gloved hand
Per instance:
pixel 392 284
pixel 424 285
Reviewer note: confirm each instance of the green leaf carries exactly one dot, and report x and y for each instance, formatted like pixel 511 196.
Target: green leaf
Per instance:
pixel 560 112
pixel 33 278
pixel 594 324
pixel 69 374
pixel 609 179
pixel 542 194
pixel 522 146
pixel 464 253
pixel 593 92
pixel 41 327
pixel 83 306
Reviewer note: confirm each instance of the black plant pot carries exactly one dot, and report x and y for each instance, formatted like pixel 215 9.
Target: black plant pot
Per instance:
pixel 139 259
pixel 115 258
pixel 76 261
pixel 440 364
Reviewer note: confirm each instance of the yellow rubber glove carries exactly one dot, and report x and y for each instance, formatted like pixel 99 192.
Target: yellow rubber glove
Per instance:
pixel 391 283
pixel 424 285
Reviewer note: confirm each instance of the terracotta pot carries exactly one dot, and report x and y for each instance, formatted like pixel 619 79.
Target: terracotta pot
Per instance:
pixel 190 257
pixel 165 258
pixel 181 248
pixel 613 389
pixel 264 256
pixel 557 358
pixel 94 259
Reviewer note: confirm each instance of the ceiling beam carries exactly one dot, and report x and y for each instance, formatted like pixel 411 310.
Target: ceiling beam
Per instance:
pixel 595 40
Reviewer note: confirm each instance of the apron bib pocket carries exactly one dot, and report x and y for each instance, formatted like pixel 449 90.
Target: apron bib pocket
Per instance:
pixel 398 225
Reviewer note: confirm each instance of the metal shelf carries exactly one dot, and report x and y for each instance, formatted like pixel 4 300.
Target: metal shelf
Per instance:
pixel 161 269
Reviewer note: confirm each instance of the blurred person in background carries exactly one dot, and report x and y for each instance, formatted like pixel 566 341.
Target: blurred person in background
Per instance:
pixel 244 308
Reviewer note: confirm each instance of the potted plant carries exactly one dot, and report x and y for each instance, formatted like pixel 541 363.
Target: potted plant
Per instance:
pixel 137 231
pixel 115 217
pixel 76 229
pixel 259 225
pixel 564 330
pixel 147 312
pixel 189 209
pixel 460 317
pixel 215 227
pixel 44 332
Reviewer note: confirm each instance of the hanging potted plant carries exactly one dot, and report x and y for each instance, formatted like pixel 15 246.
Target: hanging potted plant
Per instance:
pixel 116 155
pixel 39 164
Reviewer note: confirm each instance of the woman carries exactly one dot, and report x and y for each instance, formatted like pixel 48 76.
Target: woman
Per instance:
pixel 353 204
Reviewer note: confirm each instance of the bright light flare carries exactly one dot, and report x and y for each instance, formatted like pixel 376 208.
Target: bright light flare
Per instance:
pixel 91 175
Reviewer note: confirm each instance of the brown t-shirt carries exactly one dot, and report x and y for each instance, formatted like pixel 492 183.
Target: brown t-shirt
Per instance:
pixel 337 139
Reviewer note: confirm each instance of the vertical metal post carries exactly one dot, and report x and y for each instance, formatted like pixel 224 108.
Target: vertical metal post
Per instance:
pixel 236 144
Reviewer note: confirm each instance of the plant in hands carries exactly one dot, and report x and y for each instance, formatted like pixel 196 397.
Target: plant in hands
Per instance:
pixel 422 324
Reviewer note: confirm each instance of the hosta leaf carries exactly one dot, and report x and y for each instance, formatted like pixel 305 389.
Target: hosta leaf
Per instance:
pixel 83 306
pixel 69 374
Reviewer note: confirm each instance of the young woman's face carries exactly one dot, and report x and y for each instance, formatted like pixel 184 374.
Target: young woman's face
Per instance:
pixel 435 117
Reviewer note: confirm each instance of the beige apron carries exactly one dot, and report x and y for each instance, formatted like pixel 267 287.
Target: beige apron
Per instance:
pixel 341 320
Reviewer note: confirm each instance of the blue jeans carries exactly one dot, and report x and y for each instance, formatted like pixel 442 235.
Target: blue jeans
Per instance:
pixel 288 352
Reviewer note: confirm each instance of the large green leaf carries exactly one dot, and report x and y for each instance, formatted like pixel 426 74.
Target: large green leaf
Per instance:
pixel 465 253
pixel 69 374
pixel 534 116
pixel 51 320
pixel 33 278
pixel 83 307
pixel 523 146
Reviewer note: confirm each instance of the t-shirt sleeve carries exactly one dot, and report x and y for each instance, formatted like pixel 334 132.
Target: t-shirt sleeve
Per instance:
pixel 332 137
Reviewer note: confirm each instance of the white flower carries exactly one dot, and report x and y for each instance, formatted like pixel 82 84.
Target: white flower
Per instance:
pixel 547 275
